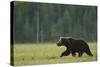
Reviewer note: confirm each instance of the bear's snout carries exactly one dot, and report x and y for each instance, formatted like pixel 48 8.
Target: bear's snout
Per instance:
pixel 58 43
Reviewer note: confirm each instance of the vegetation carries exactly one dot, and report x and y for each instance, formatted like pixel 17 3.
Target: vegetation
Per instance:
pixel 44 22
pixel 47 53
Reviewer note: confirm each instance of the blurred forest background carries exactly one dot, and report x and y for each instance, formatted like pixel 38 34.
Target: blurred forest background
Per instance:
pixel 45 22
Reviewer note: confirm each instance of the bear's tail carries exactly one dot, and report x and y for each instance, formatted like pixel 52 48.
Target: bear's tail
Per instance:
pixel 88 52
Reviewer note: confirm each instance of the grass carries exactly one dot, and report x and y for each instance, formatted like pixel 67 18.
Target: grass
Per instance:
pixel 32 54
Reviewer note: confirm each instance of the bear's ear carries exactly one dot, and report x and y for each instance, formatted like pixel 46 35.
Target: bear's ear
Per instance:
pixel 58 37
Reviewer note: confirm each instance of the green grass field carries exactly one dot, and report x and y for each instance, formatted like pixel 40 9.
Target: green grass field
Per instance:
pixel 32 54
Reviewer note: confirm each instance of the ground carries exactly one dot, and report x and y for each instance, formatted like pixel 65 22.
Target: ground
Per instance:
pixel 32 54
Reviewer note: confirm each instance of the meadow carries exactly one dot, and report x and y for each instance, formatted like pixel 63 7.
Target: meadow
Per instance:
pixel 47 53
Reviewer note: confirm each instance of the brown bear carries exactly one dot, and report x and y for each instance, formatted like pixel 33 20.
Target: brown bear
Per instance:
pixel 74 46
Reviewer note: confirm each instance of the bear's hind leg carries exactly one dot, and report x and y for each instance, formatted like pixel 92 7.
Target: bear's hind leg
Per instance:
pixel 73 54
pixel 80 53
pixel 88 52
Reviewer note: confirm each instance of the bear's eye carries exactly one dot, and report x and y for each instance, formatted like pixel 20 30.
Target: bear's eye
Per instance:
pixel 63 40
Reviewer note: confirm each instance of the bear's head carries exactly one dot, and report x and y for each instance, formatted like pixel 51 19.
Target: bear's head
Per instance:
pixel 63 41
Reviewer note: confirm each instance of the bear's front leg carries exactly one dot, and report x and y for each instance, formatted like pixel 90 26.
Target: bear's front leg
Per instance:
pixel 65 53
